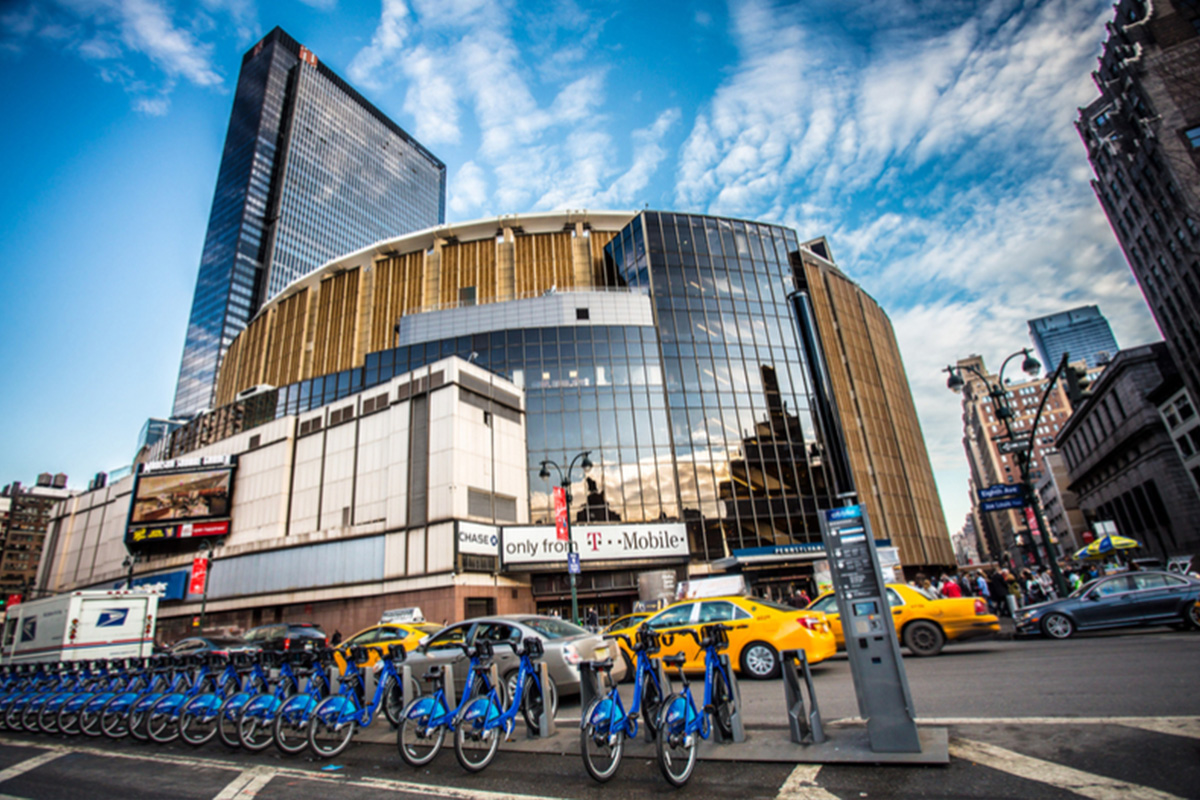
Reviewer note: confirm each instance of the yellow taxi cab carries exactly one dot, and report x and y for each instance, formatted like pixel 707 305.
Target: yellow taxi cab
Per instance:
pixel 923 623
pixel 627 621
pixel 408 634
pixel 761 630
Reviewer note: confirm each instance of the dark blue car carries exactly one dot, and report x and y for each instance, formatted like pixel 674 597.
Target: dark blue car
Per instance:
pixel 1114 601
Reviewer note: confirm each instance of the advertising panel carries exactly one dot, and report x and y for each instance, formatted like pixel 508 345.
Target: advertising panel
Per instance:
pixel 182 499
pixel 478 540
pixel 540 545
pixel 171 585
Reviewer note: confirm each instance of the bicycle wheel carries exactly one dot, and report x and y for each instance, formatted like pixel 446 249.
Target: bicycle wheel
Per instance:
pixel 676 747
pixel 417 743
pixel 47 719
pixel 29 716
pixel 531 701
pixel 601 746
pixel 197 724
pixel 114 719
pixel 68 719
pixel 12 718
pixel 290 729
pixel 474 745
pixel 228 718
pixel 722 706
pixel 651 705
pixel 161 723
pixel 254 728
pixel 137 720
pixel 89 721
pixel 328 735
pixel 393 702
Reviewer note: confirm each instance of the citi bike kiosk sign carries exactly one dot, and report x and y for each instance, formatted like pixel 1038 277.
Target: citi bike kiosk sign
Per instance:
pixel 879 680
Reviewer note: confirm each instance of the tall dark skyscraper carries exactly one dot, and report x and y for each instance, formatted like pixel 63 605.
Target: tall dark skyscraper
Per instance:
pixel 1143 141
pixel 310 171
pixel 1082 332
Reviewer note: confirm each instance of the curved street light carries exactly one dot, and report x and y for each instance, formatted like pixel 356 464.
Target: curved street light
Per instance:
pixel 564 480
pixel 999 395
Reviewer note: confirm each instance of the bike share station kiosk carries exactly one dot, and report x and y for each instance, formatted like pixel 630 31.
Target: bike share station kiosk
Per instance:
pixel 890 734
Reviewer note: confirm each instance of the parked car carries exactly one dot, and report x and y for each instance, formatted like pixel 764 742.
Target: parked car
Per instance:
pixel 283 636
pixel 762 629
pixel 1132 598
pixel 566 646
pixel 383 635
pixel 923 623
pixel 202 645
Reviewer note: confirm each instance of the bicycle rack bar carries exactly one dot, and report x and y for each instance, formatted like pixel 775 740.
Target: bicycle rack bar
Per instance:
pixel 735 720
pixel 408 684
pixel 448 685
pixel 545 723
pixel 589 685
pixel 665 683
pixel 805 728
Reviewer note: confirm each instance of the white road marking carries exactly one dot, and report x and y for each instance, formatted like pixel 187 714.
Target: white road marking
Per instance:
pixel 1175 726
pixel 802 785
pixel 28 764
pixel 247 784
pixel 1087 784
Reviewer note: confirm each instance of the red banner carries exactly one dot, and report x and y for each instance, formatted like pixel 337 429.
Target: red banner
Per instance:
pixel 199 576
pixel 1031 519
pixel 13 599
pixel 560 514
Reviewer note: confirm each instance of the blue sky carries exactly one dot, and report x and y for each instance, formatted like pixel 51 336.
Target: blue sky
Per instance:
pixel 932 142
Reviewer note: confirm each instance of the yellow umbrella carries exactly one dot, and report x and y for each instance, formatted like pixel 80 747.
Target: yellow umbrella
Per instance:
pixel 1105 545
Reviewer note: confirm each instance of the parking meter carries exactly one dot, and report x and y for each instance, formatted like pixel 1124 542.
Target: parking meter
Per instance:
pixel 871 646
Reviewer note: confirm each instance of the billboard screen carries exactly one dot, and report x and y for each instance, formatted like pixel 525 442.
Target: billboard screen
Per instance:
pixel 181 500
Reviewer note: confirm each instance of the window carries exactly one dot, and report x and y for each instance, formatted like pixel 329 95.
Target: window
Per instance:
pixel 720 611
pixel 1193 137
pixel 466 296
pixel 676 615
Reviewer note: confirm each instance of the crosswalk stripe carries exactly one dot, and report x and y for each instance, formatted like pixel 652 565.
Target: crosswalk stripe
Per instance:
pixel 1087 784
pixel 28 764
pixel 1171 726
pixel 247 784
pixel 802 785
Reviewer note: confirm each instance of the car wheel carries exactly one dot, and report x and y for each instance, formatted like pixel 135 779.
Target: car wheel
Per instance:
pixel 760 661
pixel 924 638
pixel 1193 616
pixel 1057 626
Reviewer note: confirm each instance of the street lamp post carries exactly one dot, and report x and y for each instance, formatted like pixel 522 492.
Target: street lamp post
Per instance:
pixel 999 395
pixel 131 560
pixel 564 480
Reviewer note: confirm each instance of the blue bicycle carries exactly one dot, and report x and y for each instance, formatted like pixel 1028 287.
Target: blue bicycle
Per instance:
pixel 258 716
pixel 477 732
pixel 336 718
pixel 198 716
pixel 605 724
pixel 290 728
pixel 680 722
pixel 230 713
pixel 427 719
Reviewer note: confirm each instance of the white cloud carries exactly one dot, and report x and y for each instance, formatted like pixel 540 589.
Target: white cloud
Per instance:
pixel 147 28
pixel 374 65
pixel 468 191
pixel 432 98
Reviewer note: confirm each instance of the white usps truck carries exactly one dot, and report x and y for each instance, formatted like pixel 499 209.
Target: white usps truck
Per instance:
pixel 80 626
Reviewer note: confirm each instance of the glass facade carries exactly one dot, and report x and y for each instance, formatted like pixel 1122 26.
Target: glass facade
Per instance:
pixel 310 170
pixel 708 417
pixel 1082 332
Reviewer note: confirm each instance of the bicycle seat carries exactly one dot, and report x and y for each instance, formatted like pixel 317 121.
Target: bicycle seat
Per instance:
pixel 434 673
pixel 602 666
pixel 674 660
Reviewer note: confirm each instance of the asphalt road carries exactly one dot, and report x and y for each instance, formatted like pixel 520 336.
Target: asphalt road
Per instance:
pixel 1104 716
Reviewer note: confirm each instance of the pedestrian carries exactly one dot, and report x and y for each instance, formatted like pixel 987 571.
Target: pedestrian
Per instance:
pixel 337 638
pixel 998 591
pixel 1014 593
pixel 950 588
pixel 593 620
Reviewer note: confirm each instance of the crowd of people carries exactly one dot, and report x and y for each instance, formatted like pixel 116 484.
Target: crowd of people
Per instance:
pixel 1005 590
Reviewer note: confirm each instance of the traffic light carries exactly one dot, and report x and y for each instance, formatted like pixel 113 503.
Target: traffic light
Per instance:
pixel 1077 382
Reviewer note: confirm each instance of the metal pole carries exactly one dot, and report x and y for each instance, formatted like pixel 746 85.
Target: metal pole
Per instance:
pixel 571 550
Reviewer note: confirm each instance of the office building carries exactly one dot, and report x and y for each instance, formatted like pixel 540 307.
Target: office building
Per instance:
pixel 1005 534
pixel 24 514
pixel 1143 141
pixel 1122 457
pixel 675 349
pixel 1082 333
pixel 310 170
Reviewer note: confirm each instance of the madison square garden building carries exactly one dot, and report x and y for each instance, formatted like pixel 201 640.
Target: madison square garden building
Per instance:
pixel 727 380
